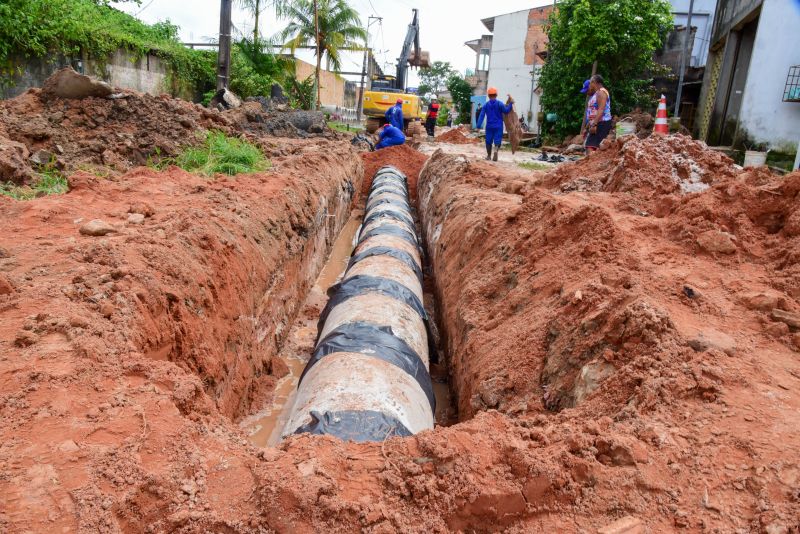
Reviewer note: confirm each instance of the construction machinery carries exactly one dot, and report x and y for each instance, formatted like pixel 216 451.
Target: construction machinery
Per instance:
pixel 385 90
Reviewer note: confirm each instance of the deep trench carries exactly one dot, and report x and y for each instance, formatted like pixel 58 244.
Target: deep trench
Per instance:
pixel 265 424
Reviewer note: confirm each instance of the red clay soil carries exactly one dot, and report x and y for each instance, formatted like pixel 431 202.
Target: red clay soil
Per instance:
pixel 456 136
pixel 114 135
pixel 405 158
pixel 654 359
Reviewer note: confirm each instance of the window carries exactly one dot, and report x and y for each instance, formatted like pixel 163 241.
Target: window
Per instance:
pixel 483 59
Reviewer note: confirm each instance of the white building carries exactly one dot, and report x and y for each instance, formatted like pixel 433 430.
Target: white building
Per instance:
pixel 749 96
pixel 702 19
pixel 513 61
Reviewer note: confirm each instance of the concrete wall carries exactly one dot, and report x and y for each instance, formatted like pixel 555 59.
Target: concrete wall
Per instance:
pixel 333 87
pixel 517 38
pixel 764 117
pixel 147 74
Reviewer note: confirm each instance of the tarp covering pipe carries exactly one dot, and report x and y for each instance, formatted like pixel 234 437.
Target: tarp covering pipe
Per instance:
pixel 368 376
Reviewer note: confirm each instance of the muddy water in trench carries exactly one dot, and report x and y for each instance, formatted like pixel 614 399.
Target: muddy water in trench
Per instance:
pixel 265 426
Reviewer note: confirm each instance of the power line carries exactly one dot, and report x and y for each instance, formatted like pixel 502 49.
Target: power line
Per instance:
pixel 145 7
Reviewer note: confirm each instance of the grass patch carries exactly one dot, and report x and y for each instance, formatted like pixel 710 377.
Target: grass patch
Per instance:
pixel 343 127
pixel 220 154
pixel 48 182
pixel 533 166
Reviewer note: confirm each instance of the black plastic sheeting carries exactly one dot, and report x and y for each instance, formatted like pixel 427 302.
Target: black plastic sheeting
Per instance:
pixel 377 342
pixel 391 214
pixel 388 180
pixel 390 230
pixel 355 425
pixel 389 189
pixel 371 204
pixel 361 284
pixel 398 254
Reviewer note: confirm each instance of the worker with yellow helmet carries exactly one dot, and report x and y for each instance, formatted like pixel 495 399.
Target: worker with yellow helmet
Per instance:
pixel 494 110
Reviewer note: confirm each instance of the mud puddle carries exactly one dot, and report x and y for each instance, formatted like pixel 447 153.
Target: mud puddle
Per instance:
pixel 264 427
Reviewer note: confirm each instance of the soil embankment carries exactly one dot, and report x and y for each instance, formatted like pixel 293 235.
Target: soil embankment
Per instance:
pixel 647 331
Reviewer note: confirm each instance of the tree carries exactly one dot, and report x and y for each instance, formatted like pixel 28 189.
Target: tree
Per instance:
pixel 256 7
pixel 461 92
pixel 339 29
pixel 433 79
pixel 620 35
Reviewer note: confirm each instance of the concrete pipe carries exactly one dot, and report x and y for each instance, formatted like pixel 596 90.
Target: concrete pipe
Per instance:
pixel 368 376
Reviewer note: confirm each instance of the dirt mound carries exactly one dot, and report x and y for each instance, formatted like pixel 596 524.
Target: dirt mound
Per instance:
pixel 125 130
pixel 405 158
pixel 657 165
pixel 456 136
pixel 639 344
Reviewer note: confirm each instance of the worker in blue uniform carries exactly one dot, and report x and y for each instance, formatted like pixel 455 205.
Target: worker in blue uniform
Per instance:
pixel 390 136
pixel 394 115
pixel 494 110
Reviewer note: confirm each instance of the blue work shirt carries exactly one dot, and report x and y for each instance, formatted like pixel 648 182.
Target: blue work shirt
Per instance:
pixel 493 110
pixel 393 134
pixel 394 116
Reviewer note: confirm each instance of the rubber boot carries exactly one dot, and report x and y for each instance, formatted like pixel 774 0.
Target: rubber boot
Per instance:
pixel 488 152
pixel 494 154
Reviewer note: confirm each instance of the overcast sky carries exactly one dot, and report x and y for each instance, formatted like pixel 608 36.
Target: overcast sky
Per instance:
pixel 444 25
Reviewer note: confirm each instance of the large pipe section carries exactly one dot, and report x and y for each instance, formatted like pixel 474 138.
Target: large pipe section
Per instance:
pixel 368 376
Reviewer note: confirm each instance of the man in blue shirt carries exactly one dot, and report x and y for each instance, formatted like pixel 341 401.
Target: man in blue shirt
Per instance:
pixel 494 110
pixel 390 136
pixel 394 115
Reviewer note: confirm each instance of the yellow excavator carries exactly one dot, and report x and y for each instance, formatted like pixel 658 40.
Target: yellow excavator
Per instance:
pixel 385 90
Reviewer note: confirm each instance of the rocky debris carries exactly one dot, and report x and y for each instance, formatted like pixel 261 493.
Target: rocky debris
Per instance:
pixel 717 241
pixel 763 301
pixel 13 162
pixel 225 99
pixel 66 83
pixel 625 525
pixel 42 158
pixel 790 318
pixel 5 286
pixel 96 227
pixel 261 119
pixel 712 339
pixel 136 218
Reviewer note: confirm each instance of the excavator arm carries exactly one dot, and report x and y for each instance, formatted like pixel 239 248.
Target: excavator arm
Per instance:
pixel 415 57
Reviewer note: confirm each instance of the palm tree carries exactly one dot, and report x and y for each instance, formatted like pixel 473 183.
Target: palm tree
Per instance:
pixel 339 29
pixel 256 7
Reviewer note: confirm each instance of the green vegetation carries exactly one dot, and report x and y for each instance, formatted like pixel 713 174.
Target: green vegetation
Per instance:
pixel 220 154
pixel 347 128
pixel 39 28
pixel 534 166
pixel 48 182
pixel 621 36
pixel 460 91
pixel 433 79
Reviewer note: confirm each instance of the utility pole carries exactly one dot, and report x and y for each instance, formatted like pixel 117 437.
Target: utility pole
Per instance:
pixel 360 104
pixel 224 55
pixel 683 59
pixel 319 59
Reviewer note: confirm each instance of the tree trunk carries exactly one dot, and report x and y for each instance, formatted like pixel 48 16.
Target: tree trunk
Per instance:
pixel 255 28
pixel 319 56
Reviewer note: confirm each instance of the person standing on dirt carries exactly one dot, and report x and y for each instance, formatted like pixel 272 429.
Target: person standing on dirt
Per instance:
pixel 390 136
pixel 597 120
pixel 394 115
pixel 494 111
pixel 430 118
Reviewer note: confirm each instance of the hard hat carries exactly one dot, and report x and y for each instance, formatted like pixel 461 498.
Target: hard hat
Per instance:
pixel 492 91
pixel 399 100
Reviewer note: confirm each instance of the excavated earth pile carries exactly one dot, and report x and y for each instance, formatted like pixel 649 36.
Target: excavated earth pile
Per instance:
pixel 115 134
pixel 456 136
pixel 627 353
pixel 655 357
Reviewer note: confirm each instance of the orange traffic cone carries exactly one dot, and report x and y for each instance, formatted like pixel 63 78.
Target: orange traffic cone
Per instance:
pixel 661 126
